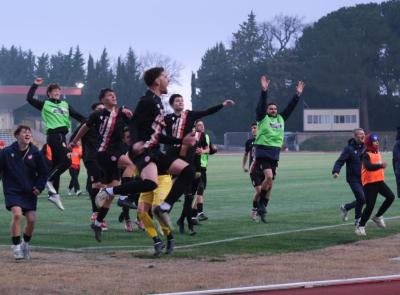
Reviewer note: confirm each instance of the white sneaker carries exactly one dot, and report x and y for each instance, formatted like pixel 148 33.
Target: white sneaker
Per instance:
pixel 50 188
pixel 101 197
pixel 360 231
pixel 26 250
pixel 56 200
pixel 69 192
pixel 379 221
pixel 343 212
pixel 78 193
pixel 17 251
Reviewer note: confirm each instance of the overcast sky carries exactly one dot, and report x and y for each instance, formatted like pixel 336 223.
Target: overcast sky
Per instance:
pixel 180 29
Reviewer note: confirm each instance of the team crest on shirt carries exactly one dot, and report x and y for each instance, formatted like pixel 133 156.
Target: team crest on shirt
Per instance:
pixel 158 105
pixel 147 159
pixel 64 145
pixel 12 155
pixel 30 157
pixel 113 158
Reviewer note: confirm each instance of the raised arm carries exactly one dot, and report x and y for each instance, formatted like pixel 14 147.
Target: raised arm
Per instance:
pixel 75 114
pixel 292 104
pixel 36 103
pixel 261 110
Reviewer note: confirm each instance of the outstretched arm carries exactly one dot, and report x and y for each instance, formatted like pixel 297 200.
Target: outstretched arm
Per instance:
pixel 36 103
pixel 261 110
pixel 292 104
pixel 75 114
pixel 212 110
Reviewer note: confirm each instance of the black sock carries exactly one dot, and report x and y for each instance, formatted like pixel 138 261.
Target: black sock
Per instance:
pixel 262 194
pixel 255 205
pixel 125 211
pixel 156 240
pixel 27 238
pixel 194 212
pixel 102 214
pixel 181 183
pixel 266 202
pixel 200 207
pixel 16 240
pixel 92 193
pixel 170 237
pixel 135 186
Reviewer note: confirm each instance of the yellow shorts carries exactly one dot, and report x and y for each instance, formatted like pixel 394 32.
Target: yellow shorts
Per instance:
pixel 157 196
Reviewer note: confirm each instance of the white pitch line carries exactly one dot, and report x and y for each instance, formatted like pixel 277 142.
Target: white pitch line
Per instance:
pixel 147 248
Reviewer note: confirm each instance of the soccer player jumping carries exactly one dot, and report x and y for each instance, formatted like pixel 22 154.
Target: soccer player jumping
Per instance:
pixel 269 139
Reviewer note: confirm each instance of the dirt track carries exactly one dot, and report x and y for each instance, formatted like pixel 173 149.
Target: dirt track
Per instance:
pixel 120 273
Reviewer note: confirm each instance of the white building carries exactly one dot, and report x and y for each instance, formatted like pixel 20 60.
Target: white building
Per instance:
pixel 331 119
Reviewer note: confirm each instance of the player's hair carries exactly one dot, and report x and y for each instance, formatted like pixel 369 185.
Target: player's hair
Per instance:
pixel 20 128
pixel 172 98
pixel 151 75
pixel 197 121
pixel 103 92
pixel 51 87
pixel 95 105
pixel 253 124
pixel 358 129
pixel 272 104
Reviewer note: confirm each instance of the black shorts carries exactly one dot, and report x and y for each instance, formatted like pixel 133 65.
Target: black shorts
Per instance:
pixel 94 171
pixel 108 162
pixel 266 163
pixel 163 161
pixel 257 178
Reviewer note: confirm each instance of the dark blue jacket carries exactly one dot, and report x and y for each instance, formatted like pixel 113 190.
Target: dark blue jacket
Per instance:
pixel 396 158
pixel 21 176
pixel 351 155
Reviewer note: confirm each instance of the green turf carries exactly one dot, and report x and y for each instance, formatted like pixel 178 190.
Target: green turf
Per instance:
pixel 304 196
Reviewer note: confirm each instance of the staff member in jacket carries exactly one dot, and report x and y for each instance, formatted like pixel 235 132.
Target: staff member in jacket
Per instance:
pixel 396 161
pixel 351 156
pixel 24 177
pixel 373 180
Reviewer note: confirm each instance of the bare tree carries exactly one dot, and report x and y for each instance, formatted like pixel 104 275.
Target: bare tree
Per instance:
pixel 172 67
pixel 281 33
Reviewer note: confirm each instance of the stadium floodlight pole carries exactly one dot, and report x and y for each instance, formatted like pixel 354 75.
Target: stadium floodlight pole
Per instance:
pixel 79 85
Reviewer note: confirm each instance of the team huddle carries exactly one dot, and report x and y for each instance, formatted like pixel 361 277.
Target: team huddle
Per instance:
pixel 148 160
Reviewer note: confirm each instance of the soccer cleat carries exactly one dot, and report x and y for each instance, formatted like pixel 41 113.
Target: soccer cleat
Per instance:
pixel 97 232
pixel 50 187
pixel 379 221
pixel 69 192
pixel 181 225
pixel 254 215
pixel 104 226
pixel 128 226
pixel 101 197
pixel 56 200
pixel 170 246
pixel 201 217
pixel 262 218
pixel 17 251
pixel 163 216
pixel 94 216
pixel 360 231
pixel 357 222
pixel 158 248
pixel 26 250
pixel 343 212
pixel 192 232
pixel 126 203
pixel 78 193
pixel 195 221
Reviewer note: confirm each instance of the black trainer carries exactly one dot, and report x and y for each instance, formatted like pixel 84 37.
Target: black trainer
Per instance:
pixel 202 217
pixel 170 246
pixel 192 232
pixel 158 248
pixel 126 203
pixel 121 217
pixel 97 232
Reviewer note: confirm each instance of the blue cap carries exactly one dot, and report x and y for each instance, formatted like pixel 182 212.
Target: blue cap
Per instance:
pixel 374 137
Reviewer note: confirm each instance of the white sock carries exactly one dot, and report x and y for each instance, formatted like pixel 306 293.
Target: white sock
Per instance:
pixel 165 206
pixel 122 197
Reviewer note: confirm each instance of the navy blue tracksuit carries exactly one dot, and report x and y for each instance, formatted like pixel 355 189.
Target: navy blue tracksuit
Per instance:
pixel 22 172
pixel 351 156
pixel 396 162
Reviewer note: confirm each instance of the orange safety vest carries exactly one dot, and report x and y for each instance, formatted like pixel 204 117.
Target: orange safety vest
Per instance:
pixel 372 176
pixel 76 156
